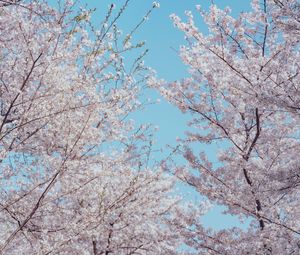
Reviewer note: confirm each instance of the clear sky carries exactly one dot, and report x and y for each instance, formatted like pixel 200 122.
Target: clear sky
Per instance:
pixel 163 40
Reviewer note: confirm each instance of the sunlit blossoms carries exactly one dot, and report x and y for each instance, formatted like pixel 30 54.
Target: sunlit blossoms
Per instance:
pixel 77 176
pixel 243 95
pixel 73 175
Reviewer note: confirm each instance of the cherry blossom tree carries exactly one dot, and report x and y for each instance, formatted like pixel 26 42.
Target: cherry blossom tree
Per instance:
pixel 243 95
pixel 73 170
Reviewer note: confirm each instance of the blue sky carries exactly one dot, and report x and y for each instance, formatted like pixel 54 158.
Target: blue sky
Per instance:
pixel 163 40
